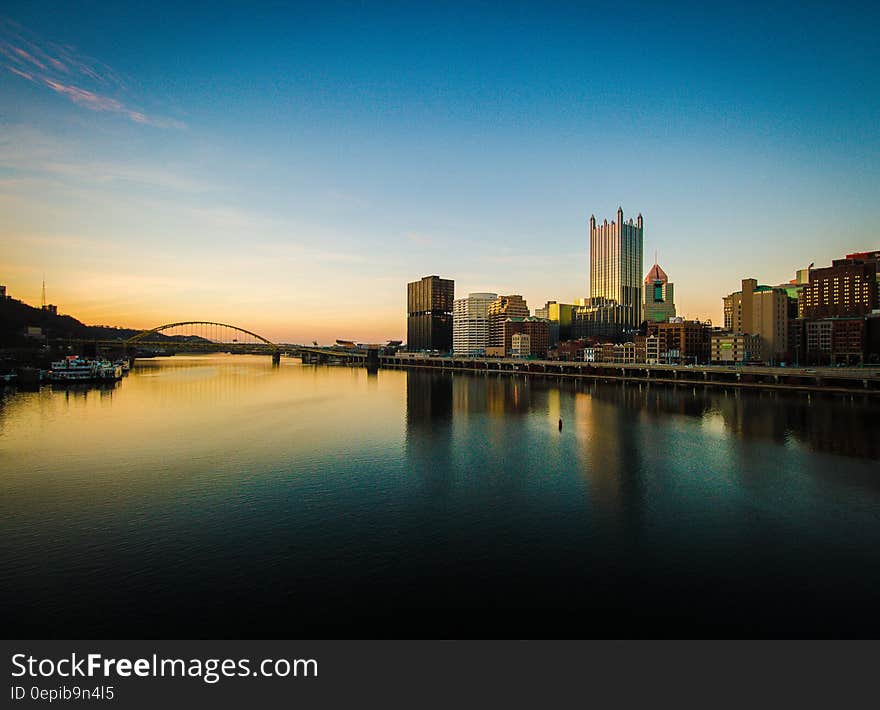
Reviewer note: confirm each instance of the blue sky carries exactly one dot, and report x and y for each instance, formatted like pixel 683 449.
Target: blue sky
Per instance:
pixel 289 168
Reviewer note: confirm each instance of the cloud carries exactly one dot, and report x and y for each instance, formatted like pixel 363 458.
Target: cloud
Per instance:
pixel 97 102
pixel 86 82
pixel 22 74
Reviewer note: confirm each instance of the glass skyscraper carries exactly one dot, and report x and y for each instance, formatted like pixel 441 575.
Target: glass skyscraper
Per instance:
pixel 429 314
pixel 616 265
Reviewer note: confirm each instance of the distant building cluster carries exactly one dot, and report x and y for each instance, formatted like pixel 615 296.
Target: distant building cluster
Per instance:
pixel 824 316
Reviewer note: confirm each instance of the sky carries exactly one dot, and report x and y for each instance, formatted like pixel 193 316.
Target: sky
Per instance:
pixel 288 168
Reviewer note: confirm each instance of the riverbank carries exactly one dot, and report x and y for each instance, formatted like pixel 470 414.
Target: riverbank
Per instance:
pixel 830 380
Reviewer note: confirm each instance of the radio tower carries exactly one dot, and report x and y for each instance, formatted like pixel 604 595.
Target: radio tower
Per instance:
pixel 43 302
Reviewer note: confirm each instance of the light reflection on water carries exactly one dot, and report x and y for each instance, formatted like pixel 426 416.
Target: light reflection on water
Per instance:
pixel 221 496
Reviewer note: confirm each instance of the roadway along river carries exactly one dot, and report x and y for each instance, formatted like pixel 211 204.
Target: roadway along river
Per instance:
pixel 217 496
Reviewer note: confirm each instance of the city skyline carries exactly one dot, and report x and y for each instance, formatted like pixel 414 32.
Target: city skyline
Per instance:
pixel 162 164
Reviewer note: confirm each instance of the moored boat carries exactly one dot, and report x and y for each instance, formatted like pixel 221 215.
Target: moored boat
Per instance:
pixel 124 364
pixel 76 369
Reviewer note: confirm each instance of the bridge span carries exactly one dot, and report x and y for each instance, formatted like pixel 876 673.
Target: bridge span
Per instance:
pixel 208 336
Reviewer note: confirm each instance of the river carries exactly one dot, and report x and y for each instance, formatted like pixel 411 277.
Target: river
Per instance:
pixel 219 496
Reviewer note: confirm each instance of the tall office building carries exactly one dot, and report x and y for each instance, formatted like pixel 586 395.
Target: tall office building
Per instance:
pixel 659 304
pixel 470 323
pixel 429 314
pixel 616 265
pixel 764 311
pixel 500 310
pixel 849 287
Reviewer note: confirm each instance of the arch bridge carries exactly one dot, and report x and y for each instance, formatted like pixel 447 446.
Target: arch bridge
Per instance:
pixel 204 335
pixel 207 326
pixel 199 334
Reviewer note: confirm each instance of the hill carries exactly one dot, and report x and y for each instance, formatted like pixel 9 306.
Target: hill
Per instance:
pixel 16 317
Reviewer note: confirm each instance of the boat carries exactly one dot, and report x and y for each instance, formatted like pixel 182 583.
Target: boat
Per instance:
pixel 74 368
pixel 124 364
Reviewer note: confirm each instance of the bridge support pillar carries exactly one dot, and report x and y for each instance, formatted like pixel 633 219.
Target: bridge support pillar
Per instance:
pixel 276 357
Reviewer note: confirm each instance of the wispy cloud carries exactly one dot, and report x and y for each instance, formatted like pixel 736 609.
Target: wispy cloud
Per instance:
pixel 86 82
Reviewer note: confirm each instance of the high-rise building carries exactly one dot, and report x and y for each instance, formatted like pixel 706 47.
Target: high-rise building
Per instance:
pixel 764 311
pixel 616 264
pixel 849 287
pixel 501 309
pixel 470 323
pixel 838 312
pixel 659 303
pixel 429 314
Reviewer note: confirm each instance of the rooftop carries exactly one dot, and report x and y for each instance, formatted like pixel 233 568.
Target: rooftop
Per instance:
pixel 656 274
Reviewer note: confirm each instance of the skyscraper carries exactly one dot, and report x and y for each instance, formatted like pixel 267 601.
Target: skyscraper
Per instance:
pixel 616 265
pixel 659 304
pixel 470 323
pixel 429 314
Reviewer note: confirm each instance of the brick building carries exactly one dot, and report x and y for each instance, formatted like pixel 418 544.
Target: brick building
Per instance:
pixel 538 330
pixel 681 341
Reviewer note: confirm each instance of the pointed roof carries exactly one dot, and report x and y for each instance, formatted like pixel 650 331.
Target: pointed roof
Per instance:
pixel 656 274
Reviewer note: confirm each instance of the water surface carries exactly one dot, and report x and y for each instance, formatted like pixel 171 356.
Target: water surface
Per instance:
pixel 217 496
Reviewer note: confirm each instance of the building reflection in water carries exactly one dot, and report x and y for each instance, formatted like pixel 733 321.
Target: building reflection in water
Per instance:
pixel 429 428
pixel 620 430
pixel 496 395
pixel 824 423
pixel 611 461
pixel 844 426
